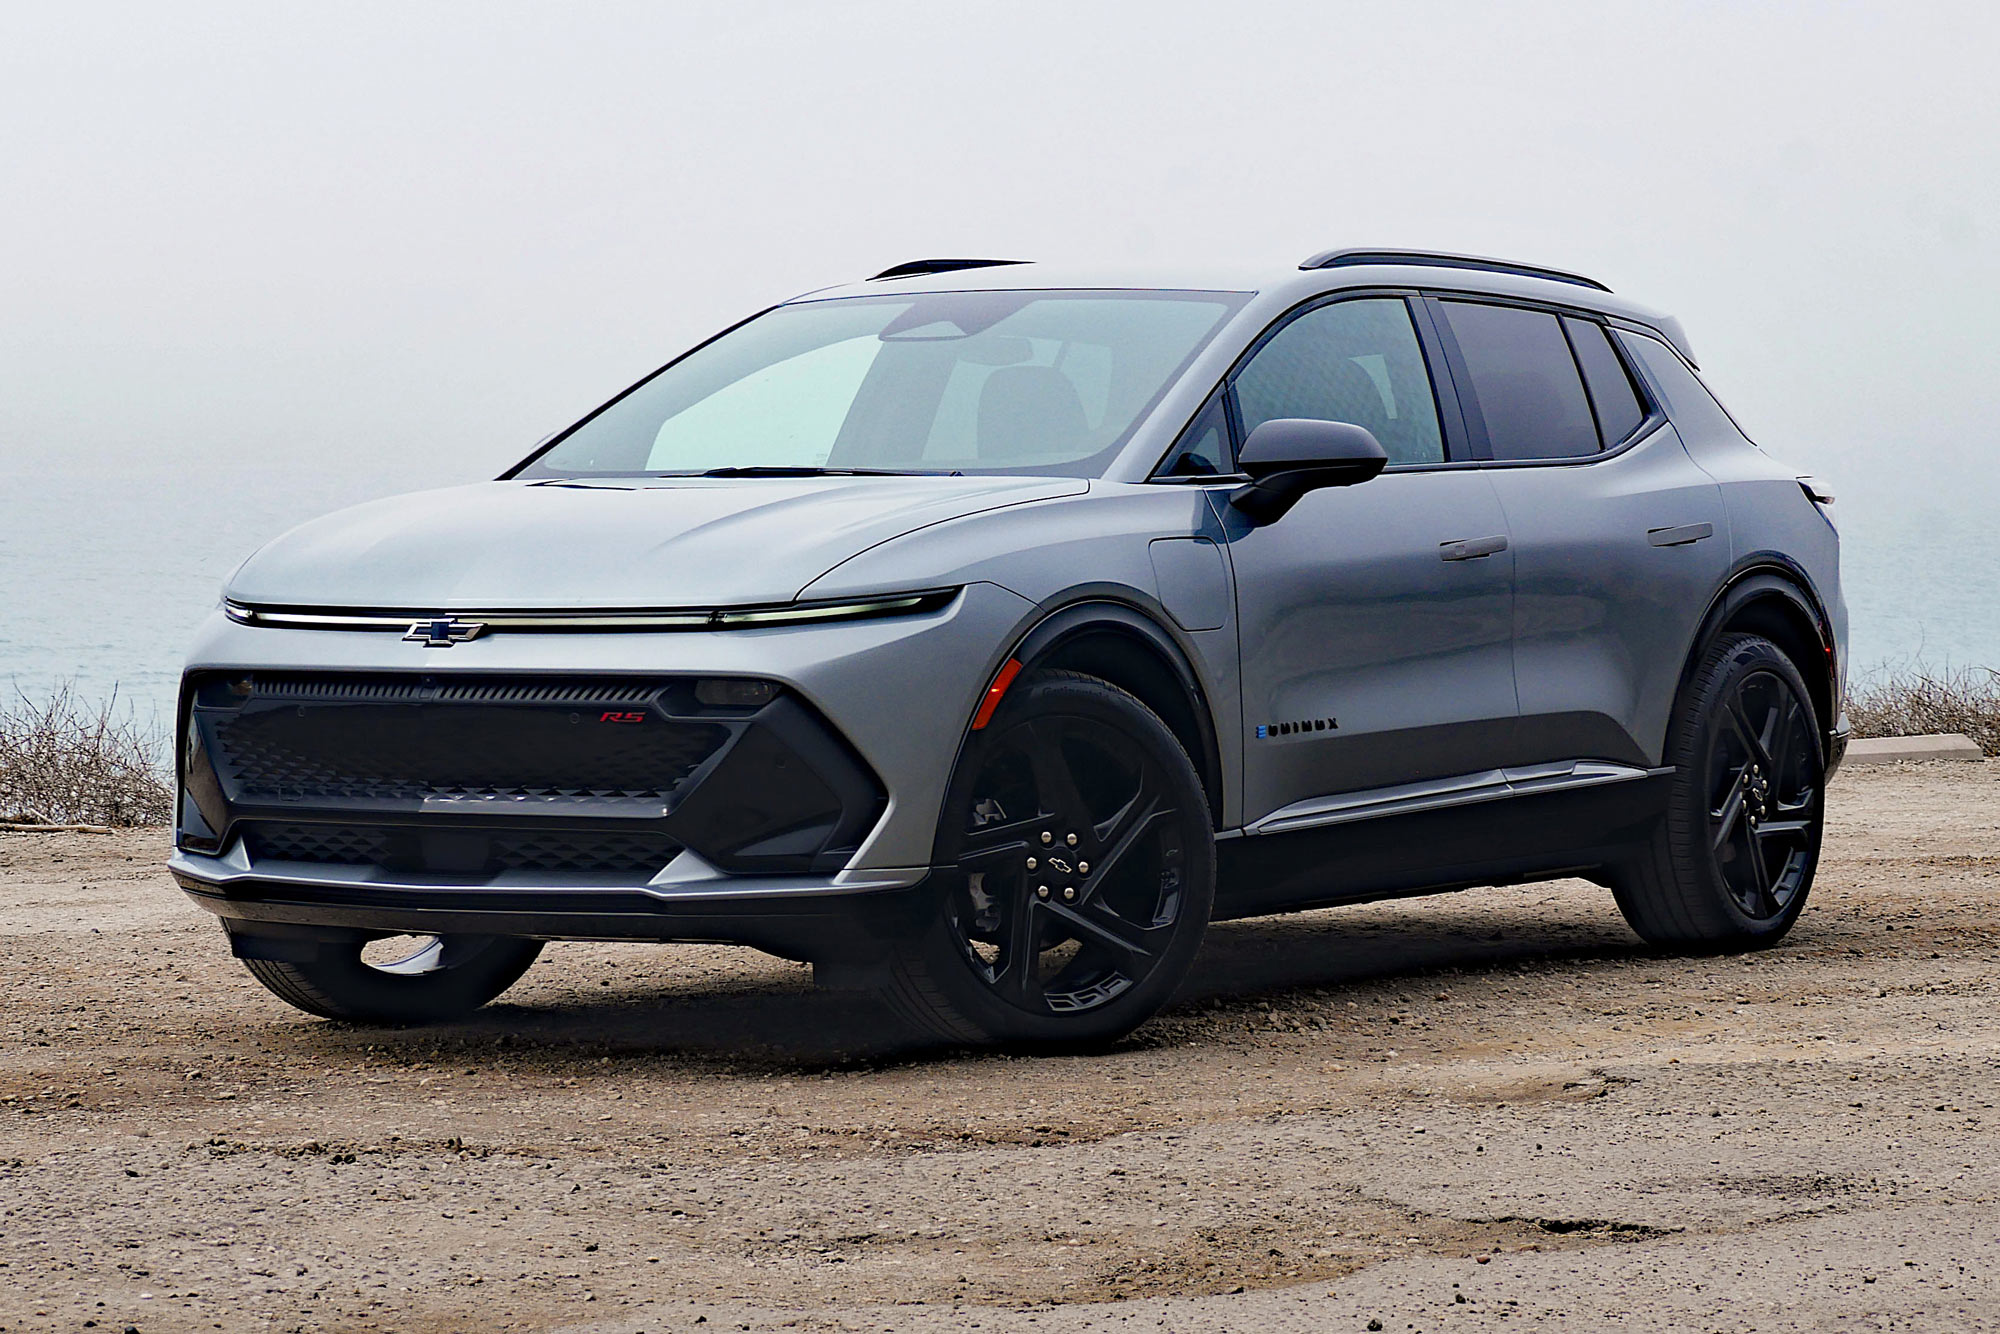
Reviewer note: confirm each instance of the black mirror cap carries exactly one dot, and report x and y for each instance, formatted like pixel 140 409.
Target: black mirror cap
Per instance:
pixel 1289 456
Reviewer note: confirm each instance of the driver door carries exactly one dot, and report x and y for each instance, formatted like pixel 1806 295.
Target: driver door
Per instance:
pixel 1376 620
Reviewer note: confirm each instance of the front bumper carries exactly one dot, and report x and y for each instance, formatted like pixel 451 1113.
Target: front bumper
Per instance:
pixel 842 917
pixel 896 692
pixel 1836 744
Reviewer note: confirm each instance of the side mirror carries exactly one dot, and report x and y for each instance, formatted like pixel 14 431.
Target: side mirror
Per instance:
pixel 1289 456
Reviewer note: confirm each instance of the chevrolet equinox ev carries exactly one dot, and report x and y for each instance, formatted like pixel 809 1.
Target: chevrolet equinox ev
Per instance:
pixel 982 631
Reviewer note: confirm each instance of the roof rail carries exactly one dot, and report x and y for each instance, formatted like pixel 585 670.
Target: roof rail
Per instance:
pixel 1340 259
pixel 918 267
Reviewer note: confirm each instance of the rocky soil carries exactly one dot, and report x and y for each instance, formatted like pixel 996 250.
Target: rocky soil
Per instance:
pixel 1490 1110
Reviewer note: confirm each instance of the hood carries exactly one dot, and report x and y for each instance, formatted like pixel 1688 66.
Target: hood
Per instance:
pixel 671 542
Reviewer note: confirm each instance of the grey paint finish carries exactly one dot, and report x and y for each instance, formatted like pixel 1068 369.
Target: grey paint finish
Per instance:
pixel 1771 518
pixel 1063 551
pixel 1350 613
pixel 1445 622
pixel 699 542
pixel 1193 582
pixel 1603 615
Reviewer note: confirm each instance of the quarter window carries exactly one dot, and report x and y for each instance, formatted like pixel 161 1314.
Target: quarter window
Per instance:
pixel 1695 411
pixel 1525 380
pixel 1618 409
pixel 1203 449
pixel 1352 361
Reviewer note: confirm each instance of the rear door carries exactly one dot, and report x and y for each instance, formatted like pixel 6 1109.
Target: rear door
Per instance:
pixel 1619 538
pixel 1375 620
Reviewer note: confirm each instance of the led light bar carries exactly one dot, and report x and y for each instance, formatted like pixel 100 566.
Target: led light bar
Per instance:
pixel 411 623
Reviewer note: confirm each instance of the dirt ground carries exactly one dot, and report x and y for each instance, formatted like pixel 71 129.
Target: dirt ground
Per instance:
pixel 1490 1110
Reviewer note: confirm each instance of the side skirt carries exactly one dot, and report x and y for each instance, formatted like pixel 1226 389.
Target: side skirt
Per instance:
pixel 1375 848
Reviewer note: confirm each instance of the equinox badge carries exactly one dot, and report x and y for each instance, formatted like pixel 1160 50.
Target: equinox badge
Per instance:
pixel 445 632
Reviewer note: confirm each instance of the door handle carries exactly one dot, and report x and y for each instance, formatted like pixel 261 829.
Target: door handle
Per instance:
pixel 1471 548
pixel 1680 536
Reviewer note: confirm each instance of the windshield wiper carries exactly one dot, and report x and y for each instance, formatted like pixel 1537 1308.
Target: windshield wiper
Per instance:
pixel 789 471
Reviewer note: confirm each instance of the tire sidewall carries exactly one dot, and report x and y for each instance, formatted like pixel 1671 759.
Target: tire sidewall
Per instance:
pixel 1699 732
pixel 367 994
pixel 1055 694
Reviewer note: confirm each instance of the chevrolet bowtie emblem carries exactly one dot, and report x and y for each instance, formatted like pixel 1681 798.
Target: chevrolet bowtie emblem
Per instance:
pixel 445 632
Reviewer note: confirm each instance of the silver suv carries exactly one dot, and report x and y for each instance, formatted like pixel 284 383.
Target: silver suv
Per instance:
pixel 980 632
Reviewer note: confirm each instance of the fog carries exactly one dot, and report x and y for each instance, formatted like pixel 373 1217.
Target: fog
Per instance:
pixel 403 242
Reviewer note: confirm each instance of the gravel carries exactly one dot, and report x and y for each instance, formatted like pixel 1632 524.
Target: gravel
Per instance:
pixel 1493 1109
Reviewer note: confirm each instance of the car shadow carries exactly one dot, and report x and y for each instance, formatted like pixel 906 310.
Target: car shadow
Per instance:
pixel 767 1021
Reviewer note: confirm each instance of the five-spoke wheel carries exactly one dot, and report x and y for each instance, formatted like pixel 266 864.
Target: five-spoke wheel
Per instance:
pixel 1763 773
pixel 1081 872
pixel 1730 863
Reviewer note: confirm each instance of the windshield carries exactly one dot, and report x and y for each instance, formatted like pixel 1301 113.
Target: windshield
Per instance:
pixel 974 382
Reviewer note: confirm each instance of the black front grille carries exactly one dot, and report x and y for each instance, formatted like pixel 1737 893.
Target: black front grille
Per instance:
pixel 467 851
pixel 376 739
pixel 477 773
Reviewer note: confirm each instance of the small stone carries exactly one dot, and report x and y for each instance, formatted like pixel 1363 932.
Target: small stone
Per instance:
pixel 1374 1324
pixel 1482 1259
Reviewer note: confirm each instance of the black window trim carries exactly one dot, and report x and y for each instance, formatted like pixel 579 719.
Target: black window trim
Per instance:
pixel 1452 425
pixel 1654 418
pixel 1642 377
pixel 1218 400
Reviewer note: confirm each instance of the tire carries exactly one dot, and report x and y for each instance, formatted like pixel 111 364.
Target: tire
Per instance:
pixel 1075 837
pixel 1730 863
pixel 442 978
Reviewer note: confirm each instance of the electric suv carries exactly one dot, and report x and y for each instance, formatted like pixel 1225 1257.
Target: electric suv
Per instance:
pixel 982 631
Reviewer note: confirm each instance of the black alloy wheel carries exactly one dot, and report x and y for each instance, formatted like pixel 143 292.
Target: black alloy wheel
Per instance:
pixel 1732 860
pixel 1080 871
pixel 1763 784
pixel 400 979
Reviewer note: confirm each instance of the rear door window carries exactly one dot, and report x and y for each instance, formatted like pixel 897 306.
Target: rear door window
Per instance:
pixel 1618 409
pixel 1525 381
pixel 1352 361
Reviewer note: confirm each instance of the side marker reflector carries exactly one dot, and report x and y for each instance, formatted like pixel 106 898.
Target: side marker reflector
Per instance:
pixel 995 692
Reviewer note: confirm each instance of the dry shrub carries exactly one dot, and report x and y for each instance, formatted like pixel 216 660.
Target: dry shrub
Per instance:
pixel 63 761
pixel 1917 702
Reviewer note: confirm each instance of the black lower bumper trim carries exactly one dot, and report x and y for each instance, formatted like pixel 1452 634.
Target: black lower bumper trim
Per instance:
pixel 817 928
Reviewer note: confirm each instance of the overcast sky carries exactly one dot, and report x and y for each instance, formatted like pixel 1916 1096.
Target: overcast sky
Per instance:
pixel 409 239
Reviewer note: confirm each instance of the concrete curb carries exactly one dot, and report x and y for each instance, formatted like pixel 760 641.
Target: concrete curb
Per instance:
pixel 1893 749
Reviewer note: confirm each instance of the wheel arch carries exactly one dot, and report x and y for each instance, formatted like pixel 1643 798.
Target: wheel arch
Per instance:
pixel 1123 645
pixel 1771 596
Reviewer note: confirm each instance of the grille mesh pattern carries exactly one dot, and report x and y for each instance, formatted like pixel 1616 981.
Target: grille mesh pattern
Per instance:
pixel 339 845
pixel 426 850
pixel 402 741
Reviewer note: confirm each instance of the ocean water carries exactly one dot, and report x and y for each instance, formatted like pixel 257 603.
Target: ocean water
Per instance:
pixel 104 574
